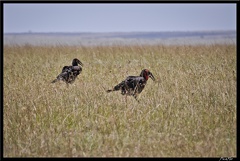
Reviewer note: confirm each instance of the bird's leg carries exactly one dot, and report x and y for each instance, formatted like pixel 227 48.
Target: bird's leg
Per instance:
pixel 54 81
pixel 126 100
pixel 135 96
pixel 67 85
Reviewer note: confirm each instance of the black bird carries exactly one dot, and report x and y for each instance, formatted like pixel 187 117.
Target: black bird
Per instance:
pixel 70 73
pixel 134 85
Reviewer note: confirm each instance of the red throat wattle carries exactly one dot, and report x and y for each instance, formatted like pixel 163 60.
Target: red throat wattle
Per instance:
pixel 146 74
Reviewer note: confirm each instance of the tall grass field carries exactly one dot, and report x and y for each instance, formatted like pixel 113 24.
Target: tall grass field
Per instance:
pixel 188 111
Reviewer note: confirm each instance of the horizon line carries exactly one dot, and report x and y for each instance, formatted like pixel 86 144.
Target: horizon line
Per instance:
pixel 93 32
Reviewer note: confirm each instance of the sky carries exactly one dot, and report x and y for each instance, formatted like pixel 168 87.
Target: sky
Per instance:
pixel 107 17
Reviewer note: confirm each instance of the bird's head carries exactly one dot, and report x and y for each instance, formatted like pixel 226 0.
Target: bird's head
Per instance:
pixel 75 62
pixel 146 74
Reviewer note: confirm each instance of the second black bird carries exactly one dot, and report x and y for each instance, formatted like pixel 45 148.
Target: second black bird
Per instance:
pixel 70 73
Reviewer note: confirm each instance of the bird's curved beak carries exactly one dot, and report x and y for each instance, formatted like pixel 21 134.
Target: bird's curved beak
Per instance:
pixel 80 63
pixel 151 76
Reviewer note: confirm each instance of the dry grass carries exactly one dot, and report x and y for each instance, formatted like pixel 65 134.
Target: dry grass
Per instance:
pixel 189 111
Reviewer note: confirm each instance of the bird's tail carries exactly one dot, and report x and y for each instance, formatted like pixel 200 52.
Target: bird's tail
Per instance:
pixel 54 81
pixel 116 88
pixel 110 90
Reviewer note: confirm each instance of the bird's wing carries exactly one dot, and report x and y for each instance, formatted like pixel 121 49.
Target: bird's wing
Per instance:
pixel 133 81
pixel 63 75
pixel 66 68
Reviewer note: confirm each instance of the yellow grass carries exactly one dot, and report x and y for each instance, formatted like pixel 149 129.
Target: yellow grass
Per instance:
pixel 189 111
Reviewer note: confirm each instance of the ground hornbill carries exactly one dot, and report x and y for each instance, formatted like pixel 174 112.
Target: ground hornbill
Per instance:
pixel 133 85
pixel 70 73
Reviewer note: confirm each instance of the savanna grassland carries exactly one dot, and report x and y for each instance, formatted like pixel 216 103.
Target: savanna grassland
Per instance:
pixel 189 111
